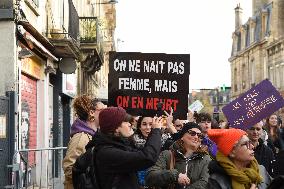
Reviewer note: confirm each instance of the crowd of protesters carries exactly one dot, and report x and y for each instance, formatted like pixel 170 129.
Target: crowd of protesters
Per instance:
pixel 162 152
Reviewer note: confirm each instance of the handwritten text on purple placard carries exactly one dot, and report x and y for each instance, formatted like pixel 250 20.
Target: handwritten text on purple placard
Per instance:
pixel 254 105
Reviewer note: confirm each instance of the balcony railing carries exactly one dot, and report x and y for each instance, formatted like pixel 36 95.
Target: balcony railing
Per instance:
pixel 65 24
pixel 35 2
pixel 88 27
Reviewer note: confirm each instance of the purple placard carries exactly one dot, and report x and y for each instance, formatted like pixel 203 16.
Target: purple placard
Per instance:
pixel 254 105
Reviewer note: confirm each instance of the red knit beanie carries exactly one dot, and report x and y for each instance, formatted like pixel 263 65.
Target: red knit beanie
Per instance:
pixel 110 118
pixel 225 138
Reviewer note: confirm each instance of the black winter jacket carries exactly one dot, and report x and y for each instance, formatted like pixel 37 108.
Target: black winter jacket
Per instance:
pixel 219 179
pixel 264 156
pixel 117 162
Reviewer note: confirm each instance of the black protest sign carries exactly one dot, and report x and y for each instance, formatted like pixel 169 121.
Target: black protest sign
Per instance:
pixel 138 82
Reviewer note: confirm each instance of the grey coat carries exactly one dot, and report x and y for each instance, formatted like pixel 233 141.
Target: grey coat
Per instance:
pixel 219 179
pixel 159 175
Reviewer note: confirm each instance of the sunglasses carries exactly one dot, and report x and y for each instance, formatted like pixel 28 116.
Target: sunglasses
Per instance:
pixel 193 133
pixel 253 128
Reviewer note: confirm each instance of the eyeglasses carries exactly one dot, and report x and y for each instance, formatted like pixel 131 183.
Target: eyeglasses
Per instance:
pixel 193 133
pixel 254 128
pixel 248 144
pixel 179 125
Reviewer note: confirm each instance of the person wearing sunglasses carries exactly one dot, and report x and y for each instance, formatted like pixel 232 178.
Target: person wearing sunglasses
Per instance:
pixel 185 165
pixel 262 153
pixel 235 166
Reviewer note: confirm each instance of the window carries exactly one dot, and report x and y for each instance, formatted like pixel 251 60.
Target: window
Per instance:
pixel 243 76
pixel 252 71
pixel 224 99
pixel 252 34
pixel 236 87
pixel 243 85
pixel 282 75
pixel 277 76
pixel 243 40
pixel 235 79
pixel 263 24
pixel 271 74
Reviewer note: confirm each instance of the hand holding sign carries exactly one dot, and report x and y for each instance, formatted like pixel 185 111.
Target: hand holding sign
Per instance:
pixel 190 116
pixel 157 122
pixel 139 82
pixel 254 105
pixel 196 106
pixel 170 117
pixel 169 120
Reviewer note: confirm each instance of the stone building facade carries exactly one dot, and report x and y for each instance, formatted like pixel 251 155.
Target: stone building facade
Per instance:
pixel 257 49
pixel 51 51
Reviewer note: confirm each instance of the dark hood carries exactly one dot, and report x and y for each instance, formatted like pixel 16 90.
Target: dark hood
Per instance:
pixel 80 126
pixel 215 167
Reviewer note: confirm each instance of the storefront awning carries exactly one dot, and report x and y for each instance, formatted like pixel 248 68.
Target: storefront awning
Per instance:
pixel 33 31
pixel 46 52
pixel 34 41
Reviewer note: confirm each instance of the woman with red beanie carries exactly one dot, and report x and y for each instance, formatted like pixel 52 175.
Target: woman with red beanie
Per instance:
pixel 117 160
pixel 235 166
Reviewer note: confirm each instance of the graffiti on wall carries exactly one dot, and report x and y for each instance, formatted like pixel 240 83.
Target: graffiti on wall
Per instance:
pixel 25 124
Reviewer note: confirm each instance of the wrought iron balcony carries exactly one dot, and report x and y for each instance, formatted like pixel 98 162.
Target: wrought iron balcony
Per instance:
pixel 88 27
pixel 63 31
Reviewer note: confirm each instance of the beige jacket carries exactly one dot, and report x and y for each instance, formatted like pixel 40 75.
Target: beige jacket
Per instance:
pixel 75 148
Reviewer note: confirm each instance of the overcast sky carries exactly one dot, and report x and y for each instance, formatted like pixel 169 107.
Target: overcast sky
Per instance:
pixel 201 28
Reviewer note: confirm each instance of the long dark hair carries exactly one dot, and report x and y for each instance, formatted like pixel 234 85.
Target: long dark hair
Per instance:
pixel 268 128
pixel 139 122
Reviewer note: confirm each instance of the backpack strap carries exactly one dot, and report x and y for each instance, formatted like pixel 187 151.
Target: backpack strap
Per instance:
pixel 171 163
pixel 95 171
pixel 171 160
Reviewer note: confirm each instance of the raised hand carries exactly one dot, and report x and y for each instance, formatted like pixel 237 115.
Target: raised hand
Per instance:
pixel 170 117
pixel 190 116
pixel 157 122
pixel 169 120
